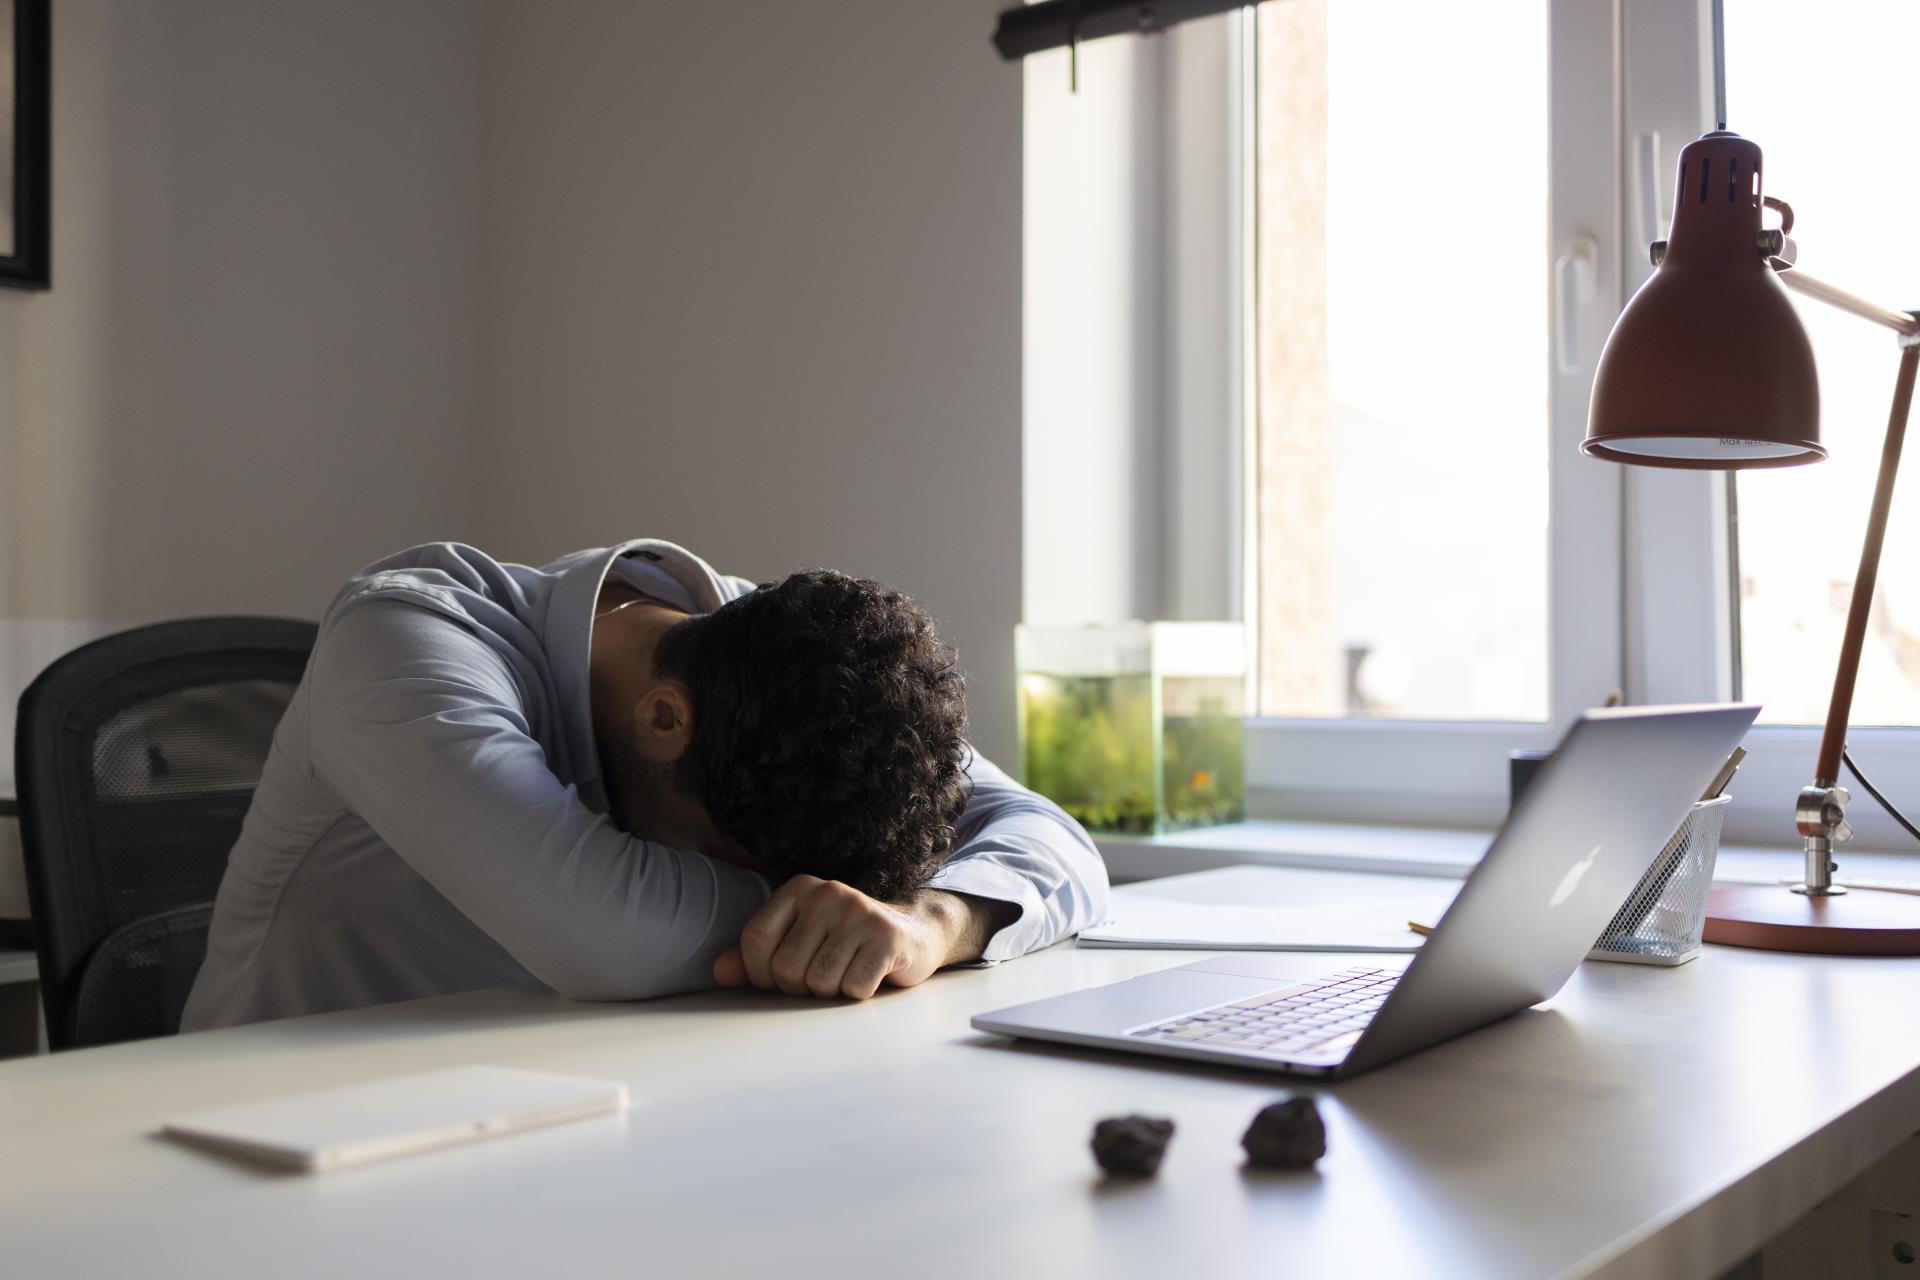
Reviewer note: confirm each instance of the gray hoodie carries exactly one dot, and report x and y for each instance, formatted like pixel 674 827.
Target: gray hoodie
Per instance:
pixel 431 817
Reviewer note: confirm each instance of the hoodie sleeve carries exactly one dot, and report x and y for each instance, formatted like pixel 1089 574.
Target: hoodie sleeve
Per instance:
pixel 1014 846
pixel 418 726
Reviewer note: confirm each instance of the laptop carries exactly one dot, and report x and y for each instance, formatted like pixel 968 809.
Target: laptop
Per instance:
pixel 1574 846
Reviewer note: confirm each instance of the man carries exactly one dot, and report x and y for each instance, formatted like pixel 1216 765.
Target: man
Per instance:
pixel 624 775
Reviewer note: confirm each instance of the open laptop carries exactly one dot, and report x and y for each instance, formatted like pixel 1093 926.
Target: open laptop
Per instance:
pixel 1576 843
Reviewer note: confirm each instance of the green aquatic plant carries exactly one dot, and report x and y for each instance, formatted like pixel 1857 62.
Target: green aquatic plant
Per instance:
pixel 1089 744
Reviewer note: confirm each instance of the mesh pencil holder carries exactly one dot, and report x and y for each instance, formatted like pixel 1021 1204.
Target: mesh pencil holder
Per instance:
pixel 1664 917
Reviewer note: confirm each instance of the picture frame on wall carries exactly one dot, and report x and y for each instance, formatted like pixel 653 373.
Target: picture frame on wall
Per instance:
pixel 26 144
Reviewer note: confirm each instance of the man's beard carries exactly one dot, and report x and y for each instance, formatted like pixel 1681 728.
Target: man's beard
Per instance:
pixel 636 785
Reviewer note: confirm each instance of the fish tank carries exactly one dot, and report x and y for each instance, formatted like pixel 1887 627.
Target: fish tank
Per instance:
pixel 1136 728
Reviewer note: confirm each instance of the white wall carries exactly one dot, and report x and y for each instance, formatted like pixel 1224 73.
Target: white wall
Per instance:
pixel 256 368
pixel 1205 270
pixel 1095 367
pixel 752 283
pixel 1130 295
pixel 331 279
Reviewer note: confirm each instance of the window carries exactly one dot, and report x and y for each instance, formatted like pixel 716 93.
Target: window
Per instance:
pixel 1380 243
pixel 1402 362
pixel 1435 261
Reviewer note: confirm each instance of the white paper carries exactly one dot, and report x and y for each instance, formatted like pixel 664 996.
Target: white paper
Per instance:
pixel 1142 921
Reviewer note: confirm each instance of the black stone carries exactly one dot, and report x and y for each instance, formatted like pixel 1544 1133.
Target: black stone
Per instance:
pixel 1131 1146
pixel 1286 1135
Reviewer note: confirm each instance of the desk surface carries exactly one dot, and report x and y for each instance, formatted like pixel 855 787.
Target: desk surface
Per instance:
pixel 1646 1122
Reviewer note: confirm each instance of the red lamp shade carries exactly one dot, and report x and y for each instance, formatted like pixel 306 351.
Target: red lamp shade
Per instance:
pixel 1708 366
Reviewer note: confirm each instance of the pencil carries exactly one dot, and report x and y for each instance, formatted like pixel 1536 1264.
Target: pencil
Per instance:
pixel 1424 930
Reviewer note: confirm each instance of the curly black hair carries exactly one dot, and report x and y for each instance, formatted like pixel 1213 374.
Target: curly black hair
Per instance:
pixel 829 729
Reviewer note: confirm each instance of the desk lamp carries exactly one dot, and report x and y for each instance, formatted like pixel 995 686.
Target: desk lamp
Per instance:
pixel 1708 368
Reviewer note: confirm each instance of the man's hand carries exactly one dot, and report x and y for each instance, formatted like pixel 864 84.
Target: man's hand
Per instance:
pixel 821 937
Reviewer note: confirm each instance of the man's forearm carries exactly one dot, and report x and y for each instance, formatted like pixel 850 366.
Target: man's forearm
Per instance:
pixel 968 923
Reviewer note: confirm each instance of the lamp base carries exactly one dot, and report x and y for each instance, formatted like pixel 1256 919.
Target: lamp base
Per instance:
pixel 1862 923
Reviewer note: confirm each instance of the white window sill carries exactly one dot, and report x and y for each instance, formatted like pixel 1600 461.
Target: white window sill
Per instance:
pixel 1418 851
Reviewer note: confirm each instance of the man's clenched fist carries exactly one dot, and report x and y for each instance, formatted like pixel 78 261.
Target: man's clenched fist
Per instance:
pixel 821 937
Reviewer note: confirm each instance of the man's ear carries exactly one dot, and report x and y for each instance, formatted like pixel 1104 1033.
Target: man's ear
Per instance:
pixel 663 721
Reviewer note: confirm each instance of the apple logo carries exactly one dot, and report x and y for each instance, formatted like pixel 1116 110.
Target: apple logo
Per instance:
pixel 1571 881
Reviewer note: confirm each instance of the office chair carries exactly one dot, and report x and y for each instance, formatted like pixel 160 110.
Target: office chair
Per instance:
pixel 137 757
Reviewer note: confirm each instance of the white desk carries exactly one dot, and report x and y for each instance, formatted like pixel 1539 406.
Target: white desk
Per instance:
pixel 1650 1123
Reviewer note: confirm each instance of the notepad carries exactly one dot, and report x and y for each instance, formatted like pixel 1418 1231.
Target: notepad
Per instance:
pixel 1142 921
pixel 401 1115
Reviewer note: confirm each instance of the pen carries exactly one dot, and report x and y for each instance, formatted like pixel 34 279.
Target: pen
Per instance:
pixel 1727 770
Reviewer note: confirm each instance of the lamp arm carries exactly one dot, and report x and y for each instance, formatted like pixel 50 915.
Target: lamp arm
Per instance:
pixel 1820 814
pixel 1901 322
pixel 1827 772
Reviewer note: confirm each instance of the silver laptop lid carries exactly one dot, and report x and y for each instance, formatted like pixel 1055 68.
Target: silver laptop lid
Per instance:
pixel 1577 842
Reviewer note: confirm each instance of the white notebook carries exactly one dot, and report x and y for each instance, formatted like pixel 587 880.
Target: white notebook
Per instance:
pixel 335 1128
pixel 1142 921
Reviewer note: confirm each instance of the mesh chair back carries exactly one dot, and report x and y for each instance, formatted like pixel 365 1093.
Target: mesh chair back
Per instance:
pixel 135 983
pixel 137 758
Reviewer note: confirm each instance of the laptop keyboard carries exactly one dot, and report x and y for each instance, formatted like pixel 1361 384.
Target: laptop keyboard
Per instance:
pixel 1322 1014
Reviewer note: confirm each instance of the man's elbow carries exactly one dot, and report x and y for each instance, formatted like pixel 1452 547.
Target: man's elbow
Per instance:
pixel 1099 895
pixel 1089 869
